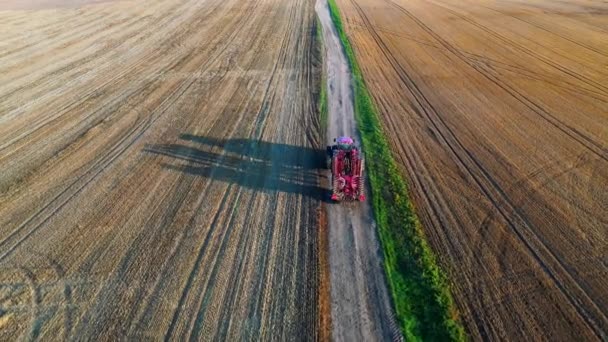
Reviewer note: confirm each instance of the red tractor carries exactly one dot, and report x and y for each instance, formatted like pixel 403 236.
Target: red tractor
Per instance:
pixel 346 170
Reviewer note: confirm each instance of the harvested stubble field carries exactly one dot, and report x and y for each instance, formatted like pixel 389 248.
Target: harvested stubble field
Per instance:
pixel 497 112
pixel 159 170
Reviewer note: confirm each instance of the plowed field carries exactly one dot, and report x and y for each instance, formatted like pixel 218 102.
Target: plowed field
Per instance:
pixel 158 170
pixel 498 115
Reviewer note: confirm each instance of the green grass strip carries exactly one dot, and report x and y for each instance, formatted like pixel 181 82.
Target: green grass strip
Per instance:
pixel 423 303
pixel 322 104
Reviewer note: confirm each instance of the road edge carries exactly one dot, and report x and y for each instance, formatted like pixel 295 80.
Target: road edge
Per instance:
pixel 420 290
pixel 324 290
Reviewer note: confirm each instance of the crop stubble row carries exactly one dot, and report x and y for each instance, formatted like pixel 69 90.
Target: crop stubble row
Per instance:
pixel 158 170
pixel 498 114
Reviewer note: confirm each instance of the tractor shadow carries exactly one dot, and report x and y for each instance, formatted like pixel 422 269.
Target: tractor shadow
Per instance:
pixel 259 165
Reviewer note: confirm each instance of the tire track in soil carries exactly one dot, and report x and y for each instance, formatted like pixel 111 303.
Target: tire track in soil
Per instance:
pixel 502 204
pixel 189 208
pixel 541 253
pixel 576 135
pixel 482 178
pixel 131 135
pixel 94 59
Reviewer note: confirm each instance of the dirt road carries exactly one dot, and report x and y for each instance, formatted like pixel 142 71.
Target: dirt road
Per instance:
pixel 498 114
pixel 361 304
pixel 159 171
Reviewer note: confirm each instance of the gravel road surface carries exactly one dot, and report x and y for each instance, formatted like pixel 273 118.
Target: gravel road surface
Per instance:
pixel 361 305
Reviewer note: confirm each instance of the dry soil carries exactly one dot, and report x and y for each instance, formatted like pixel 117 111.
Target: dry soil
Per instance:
pixel 497 112
pixel 158 170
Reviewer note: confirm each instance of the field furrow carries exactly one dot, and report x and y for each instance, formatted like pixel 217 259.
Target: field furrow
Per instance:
pixel 159 170
pixel 498 115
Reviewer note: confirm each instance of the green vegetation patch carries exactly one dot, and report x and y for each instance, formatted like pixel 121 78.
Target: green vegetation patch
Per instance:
pixel 322 104
pixel 421 294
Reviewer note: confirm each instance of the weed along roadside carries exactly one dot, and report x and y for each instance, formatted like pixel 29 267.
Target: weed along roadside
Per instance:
pixel 420 290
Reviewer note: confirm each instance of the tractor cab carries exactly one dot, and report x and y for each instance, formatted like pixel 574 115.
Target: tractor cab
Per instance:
pixel 345 143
